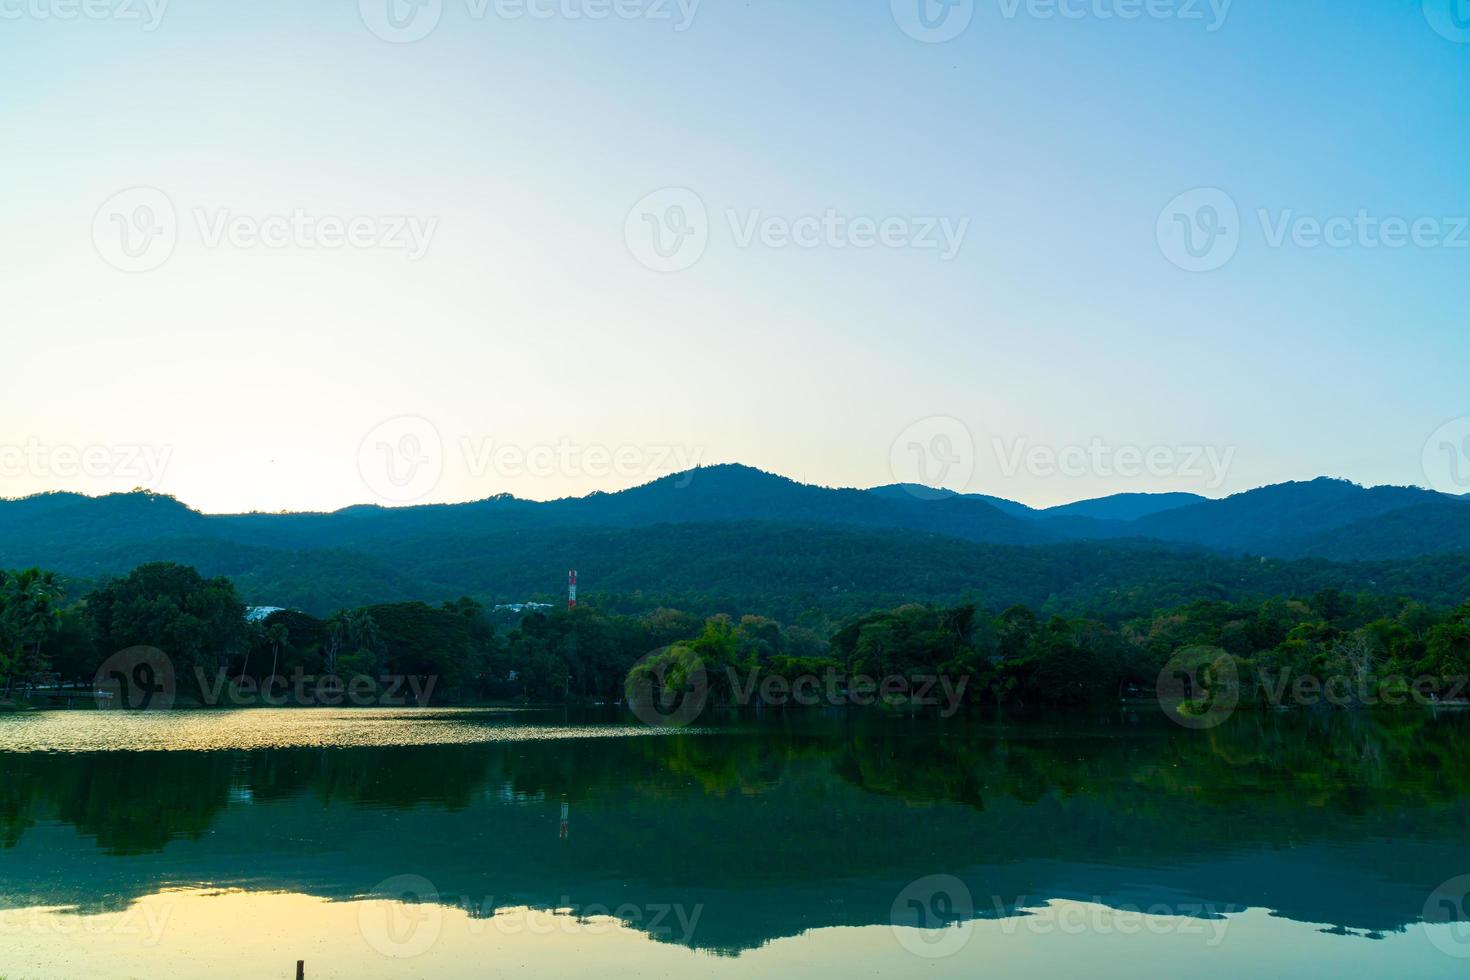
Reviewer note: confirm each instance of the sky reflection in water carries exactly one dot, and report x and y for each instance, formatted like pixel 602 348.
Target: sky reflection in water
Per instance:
pixel 441 844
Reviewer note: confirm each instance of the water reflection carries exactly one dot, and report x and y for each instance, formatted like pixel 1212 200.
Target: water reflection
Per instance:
pixel 774 827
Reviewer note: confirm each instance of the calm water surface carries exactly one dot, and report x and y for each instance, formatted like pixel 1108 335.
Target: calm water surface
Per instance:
pixel 458 844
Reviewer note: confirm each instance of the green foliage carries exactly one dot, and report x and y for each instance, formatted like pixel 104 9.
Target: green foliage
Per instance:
pixel 198 622
pixel 30 621
pixel 1020 655
pixel 774 548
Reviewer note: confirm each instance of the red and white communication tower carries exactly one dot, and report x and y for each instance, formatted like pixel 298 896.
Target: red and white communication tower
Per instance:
pixel 572 589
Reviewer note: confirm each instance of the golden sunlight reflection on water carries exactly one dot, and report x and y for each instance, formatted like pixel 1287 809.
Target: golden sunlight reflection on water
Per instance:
pixel 236 935
pixel 205 730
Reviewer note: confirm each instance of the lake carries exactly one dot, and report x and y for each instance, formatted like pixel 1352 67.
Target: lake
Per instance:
pixel 457 844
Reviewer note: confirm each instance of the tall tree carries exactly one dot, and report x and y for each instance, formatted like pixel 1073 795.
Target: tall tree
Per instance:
pixel 30 616
pixel 198 622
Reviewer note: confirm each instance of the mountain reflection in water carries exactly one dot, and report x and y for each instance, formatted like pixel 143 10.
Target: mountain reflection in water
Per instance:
pixel 770 826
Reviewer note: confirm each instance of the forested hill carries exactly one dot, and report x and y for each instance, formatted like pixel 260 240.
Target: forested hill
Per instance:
pixel 735 537
pixel 1321 518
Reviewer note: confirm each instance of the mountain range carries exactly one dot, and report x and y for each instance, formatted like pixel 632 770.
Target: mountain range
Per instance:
pixel 687 533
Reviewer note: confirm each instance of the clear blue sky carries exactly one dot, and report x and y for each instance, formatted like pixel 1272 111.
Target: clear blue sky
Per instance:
pixel 522 145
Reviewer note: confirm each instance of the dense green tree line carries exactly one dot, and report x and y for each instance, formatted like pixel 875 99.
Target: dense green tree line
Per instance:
pixel 459 651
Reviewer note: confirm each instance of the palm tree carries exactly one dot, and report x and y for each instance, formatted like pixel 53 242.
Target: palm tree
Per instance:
pixel 362 631
pixel 30 612
pixel 254 633
pixel 277 634
pixel 351 632
pixel 336 638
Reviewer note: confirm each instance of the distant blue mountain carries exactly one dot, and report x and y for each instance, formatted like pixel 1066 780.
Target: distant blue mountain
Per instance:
pixel 1275 519
pixel 1118 507
pixel 909 492
pixel 1433 527
pixel 1125 506
pixel 373 547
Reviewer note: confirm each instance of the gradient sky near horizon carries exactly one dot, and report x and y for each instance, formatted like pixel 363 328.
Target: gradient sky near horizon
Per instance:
pixel 531 350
